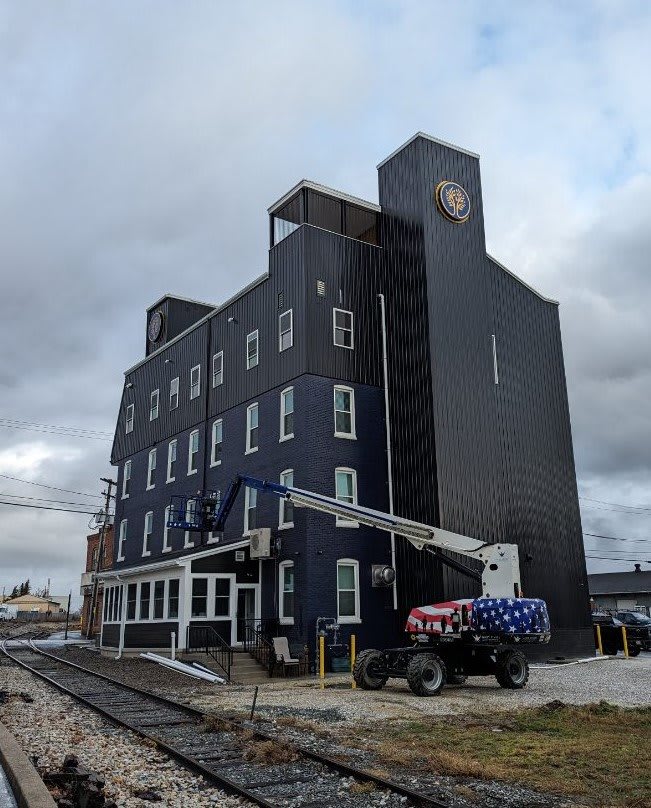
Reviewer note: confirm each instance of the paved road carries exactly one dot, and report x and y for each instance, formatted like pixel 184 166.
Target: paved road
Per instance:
pixel 6 795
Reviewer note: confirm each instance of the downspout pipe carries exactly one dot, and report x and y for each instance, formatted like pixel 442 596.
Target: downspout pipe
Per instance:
pixel 387 422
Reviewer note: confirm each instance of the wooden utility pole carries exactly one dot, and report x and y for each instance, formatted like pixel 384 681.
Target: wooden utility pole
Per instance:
pixel 100 555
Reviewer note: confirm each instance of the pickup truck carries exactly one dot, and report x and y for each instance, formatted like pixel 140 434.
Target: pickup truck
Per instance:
pixel 612 639
pixel 639 621
pixel 8 612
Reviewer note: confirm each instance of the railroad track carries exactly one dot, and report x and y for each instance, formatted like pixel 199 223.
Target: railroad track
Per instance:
pixel 244 762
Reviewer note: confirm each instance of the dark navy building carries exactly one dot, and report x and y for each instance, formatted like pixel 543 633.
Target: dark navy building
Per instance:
pixel 286 382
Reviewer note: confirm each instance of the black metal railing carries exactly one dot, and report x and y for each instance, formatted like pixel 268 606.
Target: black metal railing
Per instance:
pixel 256 644
pixel 206 640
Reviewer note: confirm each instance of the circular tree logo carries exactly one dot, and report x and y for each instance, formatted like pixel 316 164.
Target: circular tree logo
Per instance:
pixel 452 201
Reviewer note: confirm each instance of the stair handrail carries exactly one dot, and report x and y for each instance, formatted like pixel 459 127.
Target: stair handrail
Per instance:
pixel 213 644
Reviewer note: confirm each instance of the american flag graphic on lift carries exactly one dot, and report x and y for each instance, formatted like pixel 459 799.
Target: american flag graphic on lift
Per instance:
pixel 491 615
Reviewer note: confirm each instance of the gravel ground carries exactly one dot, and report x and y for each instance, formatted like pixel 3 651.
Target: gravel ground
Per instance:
pixel 54 725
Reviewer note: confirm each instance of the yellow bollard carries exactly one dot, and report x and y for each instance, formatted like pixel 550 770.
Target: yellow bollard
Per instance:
pixel 352 657
pixel 599 645
pixel 322 660
pixel 625 642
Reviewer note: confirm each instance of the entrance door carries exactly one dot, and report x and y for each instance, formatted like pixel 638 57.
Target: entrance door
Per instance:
pixel 246 610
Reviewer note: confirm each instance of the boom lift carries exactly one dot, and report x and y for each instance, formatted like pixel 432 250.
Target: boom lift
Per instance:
pixel 452 640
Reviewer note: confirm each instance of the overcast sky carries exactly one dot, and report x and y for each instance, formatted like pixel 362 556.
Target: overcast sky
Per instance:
pixel 141 143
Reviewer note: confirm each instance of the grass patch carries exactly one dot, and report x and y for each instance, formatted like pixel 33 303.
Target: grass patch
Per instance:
pixel 599 752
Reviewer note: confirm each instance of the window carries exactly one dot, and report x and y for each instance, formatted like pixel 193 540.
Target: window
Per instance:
pixel 126 479
pixel 348 591
pixel 146 539
pixel 173 599
pixel 145 594
pixel 252 350
pixel 190 510
pixel 131 601
pixel 153 405
pixel 151 470
pixel 344 412
pixel 199 597
pixel 193 450
pixel 222 597
pixel 159 599
pixel 117 603
pixel 171 461
pixel 287 414
pixel 128 424
pixel 286 518
pixel 218 369
pixel 252 429
pixel 342 323
pixel 195 382
pixel 286 592
pixel 217 438
pixel 94 561
pixel 121 540
pixel 166 530
pixel 174 393
pixel 285 330
pixel 346 491
pixel 250 509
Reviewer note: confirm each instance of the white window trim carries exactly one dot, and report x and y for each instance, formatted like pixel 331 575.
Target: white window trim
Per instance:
pixel 352 435
pixel 169 459
pixel 128 422
pixel 190 453
pixel 214 462
pixel 186 540
pixel 249 410
pixel 284 525
pixel 285 621
pixel 249 338
pixel 154 393
pixel 355 564
pixel 122 537
pixel 339 520
pixel 213 537
pixel 291 331
pixel 147 552
pixel 125 495
pixel 150 470
pixel 290 435
pixel 221 355
pixel 174 392
pixel 350 347
pixel 247 499
pixel 167 547
pixel 198 393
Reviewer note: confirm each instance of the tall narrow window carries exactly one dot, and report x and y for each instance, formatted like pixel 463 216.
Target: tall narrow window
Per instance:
pixel 252 428
pixel 159 600
pixel 287 414
pixel 128 423
pixel 286 330
pixel 167 547
pixel 151 469
pixel 153 405
pixel 218 369
pixel 149 529
pixel 250 509
pixel 347 590
pixel 199 597
pixel 286 592
pixel 217 441
pixel 342 324
pixel 145 599
pixel 286 516
pixel 346 491
pixel 122 539
pixel 190 512
pixel 193 451
pixel 344 412
pixel 126 479
pixel 252 350
pixel 173 599
pixel 131 601
pixel 171 461
pixel 195 381
pixel 174 393
pixel 222 597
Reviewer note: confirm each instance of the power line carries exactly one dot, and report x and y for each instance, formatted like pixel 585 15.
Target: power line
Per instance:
pixel 617 510
pixel 619 504
pixel 53 432
pixel 102 432
pixel 53 487
pixel 46 508
pixel 634 560
pixel 42 499
pixel 615 538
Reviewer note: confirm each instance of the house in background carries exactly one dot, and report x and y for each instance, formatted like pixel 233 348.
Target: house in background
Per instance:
pixel 32 604
pixel 620 591
pixel 86 589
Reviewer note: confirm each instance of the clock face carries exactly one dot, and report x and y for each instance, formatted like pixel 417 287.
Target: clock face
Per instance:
pixel 155 326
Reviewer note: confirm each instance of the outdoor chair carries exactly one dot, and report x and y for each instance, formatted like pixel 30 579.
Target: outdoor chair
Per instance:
pixel 283 655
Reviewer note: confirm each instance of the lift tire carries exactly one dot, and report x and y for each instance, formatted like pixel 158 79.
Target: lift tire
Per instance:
pixel 512 670
pixel 634 651
pixel 426 674
pixel 457 679
pixel 363 673
pixel 610 648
